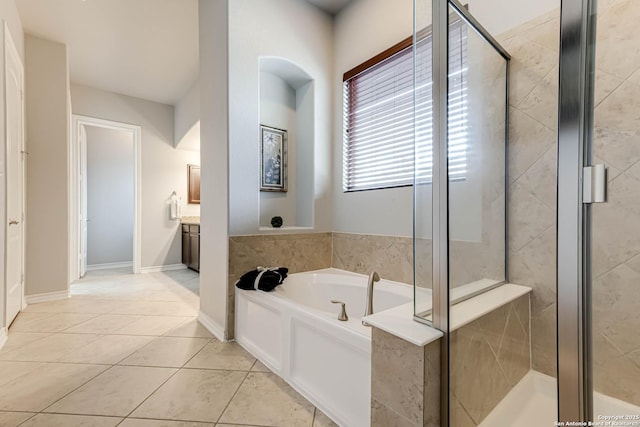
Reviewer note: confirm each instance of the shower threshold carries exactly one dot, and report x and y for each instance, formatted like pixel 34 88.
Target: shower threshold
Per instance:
pixel 533 403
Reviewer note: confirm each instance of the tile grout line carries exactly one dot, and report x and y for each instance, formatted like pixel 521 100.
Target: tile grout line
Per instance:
pixel 246 375
pixel 552 146
pixel 70 415
pixel 75 389
pixel 610 93
pixel 601 275
pixel 533 239
pixel 118 363
pixel 164 382
pixel 130 354
pixel 153 392
pixel 109 366
pixel 32 416
pixel 181 367
pixel 102 314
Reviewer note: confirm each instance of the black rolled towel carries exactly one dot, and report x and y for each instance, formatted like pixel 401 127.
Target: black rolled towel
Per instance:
pixel 267 278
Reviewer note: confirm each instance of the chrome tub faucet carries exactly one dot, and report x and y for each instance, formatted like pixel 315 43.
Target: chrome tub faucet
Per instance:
pixel 373 277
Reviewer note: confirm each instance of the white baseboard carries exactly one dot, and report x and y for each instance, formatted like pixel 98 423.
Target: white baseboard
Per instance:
pixel 159 268
pixel 109 266
pixel 3 337
pixel 211 326
pixel 50 296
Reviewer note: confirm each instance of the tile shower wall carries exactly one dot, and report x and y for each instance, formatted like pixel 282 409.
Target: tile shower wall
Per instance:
pixel 298 252
pixel 616 224
pixel 488 358
pixel 532 175
pixel 532 190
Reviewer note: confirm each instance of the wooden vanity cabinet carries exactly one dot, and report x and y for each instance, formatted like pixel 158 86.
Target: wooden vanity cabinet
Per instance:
pixel 191 246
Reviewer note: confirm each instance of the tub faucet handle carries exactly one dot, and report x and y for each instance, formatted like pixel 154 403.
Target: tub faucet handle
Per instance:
pixel 343 312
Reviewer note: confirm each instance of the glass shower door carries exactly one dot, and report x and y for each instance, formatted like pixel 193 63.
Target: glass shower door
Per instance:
pixel 615 225
pixel 479 351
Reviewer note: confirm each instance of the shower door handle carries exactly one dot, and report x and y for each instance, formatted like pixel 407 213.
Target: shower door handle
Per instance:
pixel 594 184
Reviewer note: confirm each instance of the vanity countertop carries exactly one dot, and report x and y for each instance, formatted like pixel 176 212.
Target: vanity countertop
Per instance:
pixel 193 220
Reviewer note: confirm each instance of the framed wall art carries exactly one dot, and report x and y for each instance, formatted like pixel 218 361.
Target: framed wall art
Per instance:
pixel 273 159
pixel 193 177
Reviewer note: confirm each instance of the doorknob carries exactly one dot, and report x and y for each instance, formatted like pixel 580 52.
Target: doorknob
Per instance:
pixel 13 222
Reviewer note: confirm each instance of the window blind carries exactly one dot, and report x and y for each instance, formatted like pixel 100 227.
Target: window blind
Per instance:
pixel 379 150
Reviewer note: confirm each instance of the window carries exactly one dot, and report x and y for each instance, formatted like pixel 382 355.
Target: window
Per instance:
pixel 378 149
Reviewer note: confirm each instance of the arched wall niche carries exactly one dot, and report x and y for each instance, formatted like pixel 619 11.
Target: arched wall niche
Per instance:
pixel 287 103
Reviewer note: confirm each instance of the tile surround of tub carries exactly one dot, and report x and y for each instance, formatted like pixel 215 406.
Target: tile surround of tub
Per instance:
pixel 390 256
pixel 297 252
pixel 488 358
pixel 405 382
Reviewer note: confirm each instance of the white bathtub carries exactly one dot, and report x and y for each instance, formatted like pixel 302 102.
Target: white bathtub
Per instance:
pixel 295 331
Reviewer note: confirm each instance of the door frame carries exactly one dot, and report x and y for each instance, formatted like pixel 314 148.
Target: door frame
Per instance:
pixel 575 125
pixel 10 49
pixel 75 187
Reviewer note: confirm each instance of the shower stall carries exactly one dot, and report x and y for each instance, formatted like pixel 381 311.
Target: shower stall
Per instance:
pixel 527 172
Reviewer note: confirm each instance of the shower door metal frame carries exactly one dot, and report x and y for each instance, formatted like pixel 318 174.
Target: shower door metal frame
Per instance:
pixel 440 193
pixel 575 119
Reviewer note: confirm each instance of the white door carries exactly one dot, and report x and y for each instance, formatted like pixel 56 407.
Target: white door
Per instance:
pixel 14 75
pixel 82 139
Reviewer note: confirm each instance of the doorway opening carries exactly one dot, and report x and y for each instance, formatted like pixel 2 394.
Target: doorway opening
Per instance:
pixel 105 196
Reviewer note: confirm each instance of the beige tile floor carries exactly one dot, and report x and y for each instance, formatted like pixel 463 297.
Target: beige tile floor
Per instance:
pixel 126 350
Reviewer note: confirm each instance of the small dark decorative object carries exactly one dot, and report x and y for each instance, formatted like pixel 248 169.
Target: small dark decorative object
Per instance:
pixel 276 222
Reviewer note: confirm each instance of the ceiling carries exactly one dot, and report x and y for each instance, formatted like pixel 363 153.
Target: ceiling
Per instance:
pixel 331 6
pixel 142 48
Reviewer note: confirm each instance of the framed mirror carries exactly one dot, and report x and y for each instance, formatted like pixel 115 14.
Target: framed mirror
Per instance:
pixel 193 179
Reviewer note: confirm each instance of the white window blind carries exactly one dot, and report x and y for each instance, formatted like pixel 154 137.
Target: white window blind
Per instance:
pixel 379 150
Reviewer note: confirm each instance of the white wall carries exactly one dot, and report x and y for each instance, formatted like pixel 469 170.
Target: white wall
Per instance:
pixel 362 30
pixel 187 120
pixel 305 124
pixel 164 168
pixel 278 110
pixel 498 16
pixel 110 203
pixel 8 13
pixel 214 191
pixel 47 141
pixel 301 34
